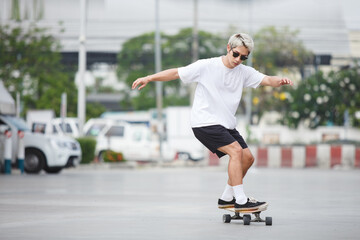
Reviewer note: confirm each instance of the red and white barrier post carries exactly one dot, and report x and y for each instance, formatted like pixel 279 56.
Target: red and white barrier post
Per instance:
pixel 310 156
pixel 21 151
pixel 7 155
pixel 357 157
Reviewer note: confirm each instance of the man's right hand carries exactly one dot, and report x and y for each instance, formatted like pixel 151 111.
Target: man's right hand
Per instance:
pixel 142 82
pixel 166 75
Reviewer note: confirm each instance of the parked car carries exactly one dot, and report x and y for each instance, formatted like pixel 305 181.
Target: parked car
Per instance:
pixel 69 127
pixel 94 126
pixel 132 140
pixel 44 121
pixel 177 134
pixel 42 151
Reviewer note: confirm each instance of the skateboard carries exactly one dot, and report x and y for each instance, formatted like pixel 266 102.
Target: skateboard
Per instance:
pixel 247 217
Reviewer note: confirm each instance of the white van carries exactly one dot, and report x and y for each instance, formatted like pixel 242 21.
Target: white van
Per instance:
pixel 44 121
pixel 68 127
pixel 132 140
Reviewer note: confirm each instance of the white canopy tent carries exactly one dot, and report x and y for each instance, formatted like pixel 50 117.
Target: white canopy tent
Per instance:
pixel 7 103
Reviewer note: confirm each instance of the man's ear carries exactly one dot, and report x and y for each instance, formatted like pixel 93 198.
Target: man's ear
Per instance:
pixel 228 48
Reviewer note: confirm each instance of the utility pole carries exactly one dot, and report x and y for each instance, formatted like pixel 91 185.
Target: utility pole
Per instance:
pixel 249 63
pixel 195 42
pixel 63 110
pixel 159 99
pixel 195 47
pixel 82 68
pixel 17 104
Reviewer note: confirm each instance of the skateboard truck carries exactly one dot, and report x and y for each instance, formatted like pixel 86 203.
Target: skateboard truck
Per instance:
pixel 247 218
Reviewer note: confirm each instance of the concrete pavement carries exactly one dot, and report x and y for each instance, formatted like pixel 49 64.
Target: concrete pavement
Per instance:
pixel 176 203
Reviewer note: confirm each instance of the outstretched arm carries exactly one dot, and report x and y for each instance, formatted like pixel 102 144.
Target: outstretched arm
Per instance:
pixel 166 75
pixel 275 81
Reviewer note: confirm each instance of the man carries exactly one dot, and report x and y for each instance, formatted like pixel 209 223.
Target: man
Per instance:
pixel 220 82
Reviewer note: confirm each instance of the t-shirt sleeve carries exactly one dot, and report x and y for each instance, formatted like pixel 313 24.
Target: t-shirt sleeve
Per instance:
pixel 191 72
pixel 254 78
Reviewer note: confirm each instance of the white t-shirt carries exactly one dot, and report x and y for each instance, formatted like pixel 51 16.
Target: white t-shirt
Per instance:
pixel 218 90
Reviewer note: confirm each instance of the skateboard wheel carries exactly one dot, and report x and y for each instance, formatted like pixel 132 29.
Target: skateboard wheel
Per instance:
pixel 247 215
pixel 268 221
pixel 226 218
pixel 246 220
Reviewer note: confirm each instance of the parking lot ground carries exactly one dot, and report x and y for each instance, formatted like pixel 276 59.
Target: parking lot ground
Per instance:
pixel 177 203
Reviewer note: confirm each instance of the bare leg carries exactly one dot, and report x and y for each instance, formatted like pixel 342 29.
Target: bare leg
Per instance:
pixel 235 167
pixel 240 162
pixel 247 159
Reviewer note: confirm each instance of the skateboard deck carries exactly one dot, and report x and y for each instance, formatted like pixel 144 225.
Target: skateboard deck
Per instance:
pixel 247 217
pixel 259 209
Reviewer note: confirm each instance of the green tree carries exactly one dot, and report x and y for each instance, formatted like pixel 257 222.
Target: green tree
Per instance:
pixel 276 49
pixel 277 52
pixel 30 64
pixel 136 59
pixel 322 100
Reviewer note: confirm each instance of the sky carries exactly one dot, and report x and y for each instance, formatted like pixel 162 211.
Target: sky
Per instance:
pixel 323 24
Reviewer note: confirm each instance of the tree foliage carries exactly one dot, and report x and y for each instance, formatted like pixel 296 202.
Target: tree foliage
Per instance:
pixel 323 99
pixel 277 52
pixel 30 64
pixel 276 49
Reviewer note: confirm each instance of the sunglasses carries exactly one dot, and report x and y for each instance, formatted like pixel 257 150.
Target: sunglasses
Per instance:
pixel 236 54
pixel 242 57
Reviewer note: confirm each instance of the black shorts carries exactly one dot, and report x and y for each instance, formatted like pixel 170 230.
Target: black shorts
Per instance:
pixel 216 136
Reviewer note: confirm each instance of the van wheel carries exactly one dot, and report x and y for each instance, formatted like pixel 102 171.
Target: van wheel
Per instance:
pixel 34 161
pixel 53 169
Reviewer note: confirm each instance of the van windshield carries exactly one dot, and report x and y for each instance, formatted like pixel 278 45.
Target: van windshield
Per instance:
pixel 18 123
pixel 95 129
pixel 67 127
pixel 115 131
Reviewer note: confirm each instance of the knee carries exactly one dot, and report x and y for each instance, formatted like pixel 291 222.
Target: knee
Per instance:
pixel 250 160
pixel 236 153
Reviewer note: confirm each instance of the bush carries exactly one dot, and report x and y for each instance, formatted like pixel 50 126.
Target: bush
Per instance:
pixel 87 148
pixel 111 156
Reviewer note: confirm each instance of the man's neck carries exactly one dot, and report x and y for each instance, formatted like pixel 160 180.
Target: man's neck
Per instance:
pixel 225 61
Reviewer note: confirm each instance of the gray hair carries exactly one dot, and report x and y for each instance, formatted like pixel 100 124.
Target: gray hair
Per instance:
pixel 241 39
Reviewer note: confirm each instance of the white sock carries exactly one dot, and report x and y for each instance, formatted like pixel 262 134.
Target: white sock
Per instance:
pixel 228 193
pixel 239 194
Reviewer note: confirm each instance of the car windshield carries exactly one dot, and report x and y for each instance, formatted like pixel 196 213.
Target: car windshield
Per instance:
pixel 95 130
pixel 18 123
pixel 115 131
pixel 67 127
